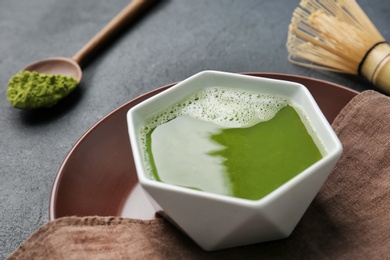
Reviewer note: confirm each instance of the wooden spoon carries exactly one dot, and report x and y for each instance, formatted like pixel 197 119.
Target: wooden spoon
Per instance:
pixel 71 66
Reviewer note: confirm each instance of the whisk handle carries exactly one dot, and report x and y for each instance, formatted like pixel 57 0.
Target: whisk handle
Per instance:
pixel 376 67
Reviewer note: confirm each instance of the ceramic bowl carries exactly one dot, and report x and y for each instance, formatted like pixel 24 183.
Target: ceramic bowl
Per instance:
pixel 216 221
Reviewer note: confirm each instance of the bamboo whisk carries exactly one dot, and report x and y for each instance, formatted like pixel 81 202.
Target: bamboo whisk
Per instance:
pixel 337 35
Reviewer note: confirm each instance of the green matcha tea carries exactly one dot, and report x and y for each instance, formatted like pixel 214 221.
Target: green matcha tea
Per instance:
pixel 229 142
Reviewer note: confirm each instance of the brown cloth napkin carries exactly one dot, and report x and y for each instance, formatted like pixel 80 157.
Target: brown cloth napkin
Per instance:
pixel 348 219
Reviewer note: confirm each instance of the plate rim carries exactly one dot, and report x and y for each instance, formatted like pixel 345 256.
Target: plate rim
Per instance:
pixel 59 173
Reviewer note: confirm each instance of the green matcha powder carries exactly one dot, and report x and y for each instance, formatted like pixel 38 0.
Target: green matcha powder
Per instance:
pixel 29 90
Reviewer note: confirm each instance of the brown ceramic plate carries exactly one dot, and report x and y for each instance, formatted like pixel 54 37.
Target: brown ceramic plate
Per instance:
pixel 98 176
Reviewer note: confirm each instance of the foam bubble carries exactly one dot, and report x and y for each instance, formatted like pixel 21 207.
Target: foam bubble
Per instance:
pixel 233 107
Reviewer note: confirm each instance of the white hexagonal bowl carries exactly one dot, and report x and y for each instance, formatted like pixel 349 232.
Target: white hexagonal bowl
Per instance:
pixel 216 221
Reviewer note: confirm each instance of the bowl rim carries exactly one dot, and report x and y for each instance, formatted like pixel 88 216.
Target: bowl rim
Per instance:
pixel 146 182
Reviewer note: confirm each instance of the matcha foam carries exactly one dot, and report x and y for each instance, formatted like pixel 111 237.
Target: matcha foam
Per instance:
pixel 228 141
pixel 225 107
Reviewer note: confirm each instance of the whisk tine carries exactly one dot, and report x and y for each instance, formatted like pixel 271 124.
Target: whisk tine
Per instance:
pixel 361 18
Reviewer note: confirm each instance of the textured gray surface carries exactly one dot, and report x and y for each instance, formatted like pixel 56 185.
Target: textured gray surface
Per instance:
pixel 173 41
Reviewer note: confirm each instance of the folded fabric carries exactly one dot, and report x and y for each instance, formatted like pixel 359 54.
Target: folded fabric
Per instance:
pixel 348 219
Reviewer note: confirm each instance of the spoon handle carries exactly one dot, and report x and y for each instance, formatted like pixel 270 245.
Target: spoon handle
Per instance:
pixel 119 21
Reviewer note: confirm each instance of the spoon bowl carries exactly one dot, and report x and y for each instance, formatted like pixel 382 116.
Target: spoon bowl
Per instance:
pixel 57 65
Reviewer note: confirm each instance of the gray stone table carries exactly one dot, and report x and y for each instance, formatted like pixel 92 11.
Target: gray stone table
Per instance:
pixel 175 39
